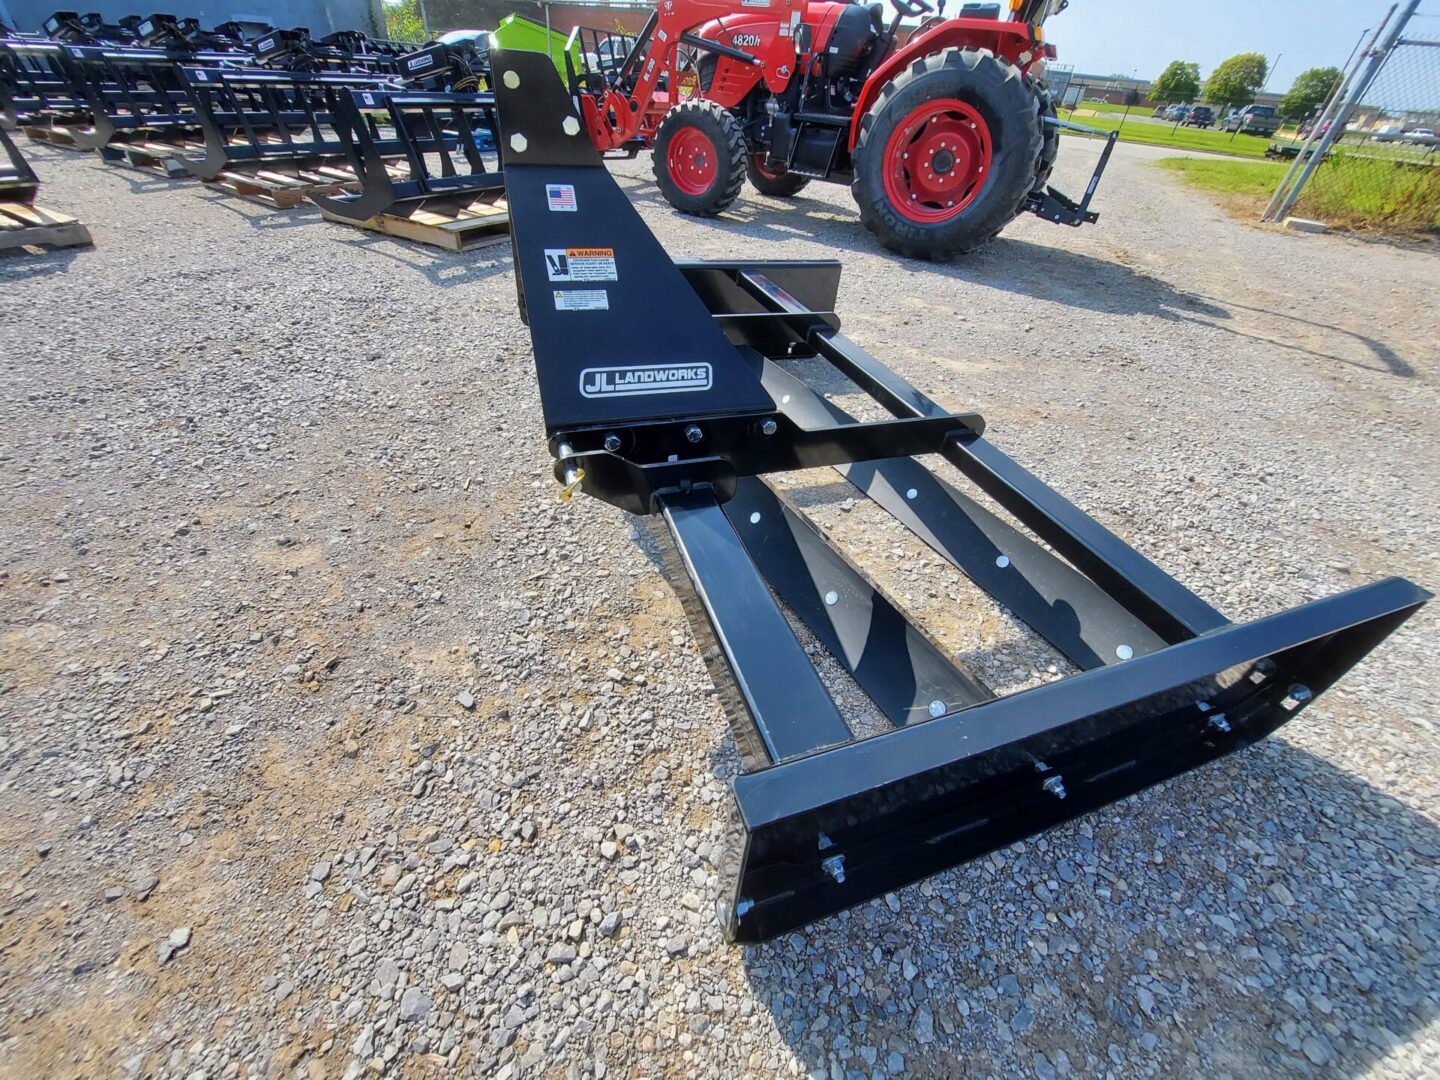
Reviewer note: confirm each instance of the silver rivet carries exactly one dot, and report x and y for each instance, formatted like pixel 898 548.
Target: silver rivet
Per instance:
pixel 937 708
pixel 832 598
pixel 1124 652
pixel 1003 561
pixel 511 79
pixel 785 400
pixel 911 494
pixel 755 518
pixel 518 143
pixel 571 126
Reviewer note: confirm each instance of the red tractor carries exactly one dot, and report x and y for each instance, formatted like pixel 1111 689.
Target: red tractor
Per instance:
pixel 943 139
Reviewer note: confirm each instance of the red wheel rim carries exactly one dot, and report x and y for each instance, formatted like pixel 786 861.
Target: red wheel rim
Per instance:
pixel 769 174
pixel 937 161
pixel 692 161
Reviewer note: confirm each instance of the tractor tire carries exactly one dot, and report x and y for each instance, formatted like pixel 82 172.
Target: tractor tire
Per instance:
pixel 972 119
pixel 699 158
pixel 780 185
pixel 1050 138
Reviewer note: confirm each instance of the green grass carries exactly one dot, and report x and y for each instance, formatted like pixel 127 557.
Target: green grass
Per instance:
pixel 1255 179
pixel 1208 139
pixel 1347 191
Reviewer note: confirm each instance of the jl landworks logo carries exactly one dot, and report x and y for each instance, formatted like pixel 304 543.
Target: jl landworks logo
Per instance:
pixel 647 379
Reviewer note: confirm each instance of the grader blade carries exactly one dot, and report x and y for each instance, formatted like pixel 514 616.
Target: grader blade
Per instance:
pixel 674 391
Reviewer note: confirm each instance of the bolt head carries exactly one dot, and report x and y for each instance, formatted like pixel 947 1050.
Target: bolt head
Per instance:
pixel 612 443
pixel 693 434
pixel 768 427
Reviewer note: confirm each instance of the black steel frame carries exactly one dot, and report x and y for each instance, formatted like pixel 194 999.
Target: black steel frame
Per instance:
pixel 378 127
pixel 257 118
pixel 18 182
pixel 670 389
pixel 132 93
pixel 37 84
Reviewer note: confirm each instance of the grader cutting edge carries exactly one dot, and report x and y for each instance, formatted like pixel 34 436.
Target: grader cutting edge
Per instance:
pixel 669 390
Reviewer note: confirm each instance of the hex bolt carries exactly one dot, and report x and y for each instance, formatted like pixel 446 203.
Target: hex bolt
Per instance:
pixel 1218 723
pixel 835 867
pixel 1055 786
pixel 612 443
pixel 768 427
pixel 693 434
pixel 1300 693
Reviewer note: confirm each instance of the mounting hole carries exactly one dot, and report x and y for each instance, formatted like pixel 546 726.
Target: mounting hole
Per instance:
pixel 518 143
pixel 571 126
pixel 785 400
pixel 832 598
pixel 912 494
pixel 1003 561
pixel 1124 652
pixel 755 517
pixel 511 79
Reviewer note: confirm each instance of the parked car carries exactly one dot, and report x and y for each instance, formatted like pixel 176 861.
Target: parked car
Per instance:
pixel 1253 119
pixel 1387 133
pixel 1200 116
pixel 1177 113
pixel 1160 111
pixel 1420 136
pixel 1309 126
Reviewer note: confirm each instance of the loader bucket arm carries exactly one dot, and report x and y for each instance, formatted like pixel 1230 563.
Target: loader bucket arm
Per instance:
pixel 666 390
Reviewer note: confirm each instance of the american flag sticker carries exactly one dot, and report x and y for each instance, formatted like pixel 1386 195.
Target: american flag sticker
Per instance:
pixel 561 197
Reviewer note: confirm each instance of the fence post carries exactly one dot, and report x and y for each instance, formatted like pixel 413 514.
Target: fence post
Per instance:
pixel 1372 60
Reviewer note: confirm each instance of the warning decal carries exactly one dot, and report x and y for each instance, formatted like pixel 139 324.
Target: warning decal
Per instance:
pixel 561 197
pixel 580 264
pixel 581 300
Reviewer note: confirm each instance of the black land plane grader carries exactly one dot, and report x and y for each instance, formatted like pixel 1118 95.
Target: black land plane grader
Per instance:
pixel 668 390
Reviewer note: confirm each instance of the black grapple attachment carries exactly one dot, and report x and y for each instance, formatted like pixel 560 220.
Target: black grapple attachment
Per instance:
pixel 669 389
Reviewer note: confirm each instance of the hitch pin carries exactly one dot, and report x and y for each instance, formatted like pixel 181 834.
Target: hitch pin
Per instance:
pixel 573 474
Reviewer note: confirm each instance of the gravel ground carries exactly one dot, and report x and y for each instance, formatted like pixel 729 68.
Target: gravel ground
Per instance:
pixel 330 741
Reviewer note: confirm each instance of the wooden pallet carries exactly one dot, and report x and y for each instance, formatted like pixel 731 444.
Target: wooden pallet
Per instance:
pixel 444 222
pixel 23 225
pixel 285 191
pixel 55 135
pixel 158 156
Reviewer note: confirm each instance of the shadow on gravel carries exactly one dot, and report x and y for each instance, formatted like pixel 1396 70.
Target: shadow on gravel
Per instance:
pixel 440 267
pixel 259 216
pixel 1269 914
pixel 1389 361
pixel 15 264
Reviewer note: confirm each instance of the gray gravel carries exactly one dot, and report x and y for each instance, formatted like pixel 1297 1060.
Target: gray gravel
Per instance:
pixel 331 743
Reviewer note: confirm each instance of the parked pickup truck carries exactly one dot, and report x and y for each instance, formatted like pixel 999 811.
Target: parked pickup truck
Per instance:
pixel 1254 119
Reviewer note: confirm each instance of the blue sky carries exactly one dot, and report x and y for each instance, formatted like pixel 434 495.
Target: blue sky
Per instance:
pixel 1111 37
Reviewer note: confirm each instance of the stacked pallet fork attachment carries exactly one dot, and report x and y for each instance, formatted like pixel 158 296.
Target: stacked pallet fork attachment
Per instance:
pixel 667 390
pixel 22 223
pixel 38 89
pixel 450 196
pixel 271 135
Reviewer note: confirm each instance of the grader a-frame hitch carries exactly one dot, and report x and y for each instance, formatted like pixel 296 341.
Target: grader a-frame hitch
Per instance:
pixel 668 390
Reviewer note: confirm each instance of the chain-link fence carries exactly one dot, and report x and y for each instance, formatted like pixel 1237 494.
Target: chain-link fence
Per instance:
pixel 1372 156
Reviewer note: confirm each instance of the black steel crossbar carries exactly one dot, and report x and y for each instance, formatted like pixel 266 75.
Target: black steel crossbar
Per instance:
pixel 444 140
pixel 254 117
pixel 677 390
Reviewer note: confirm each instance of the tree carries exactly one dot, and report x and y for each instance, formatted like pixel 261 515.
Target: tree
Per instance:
pixel 1236 81
pixel 402 20
pixel 1178 82
pixel 1310 89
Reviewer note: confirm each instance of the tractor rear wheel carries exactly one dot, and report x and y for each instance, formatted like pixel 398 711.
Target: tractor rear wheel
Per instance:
pixel 948 154
pixel 699 158
pixel 769 181
pixel 1050 136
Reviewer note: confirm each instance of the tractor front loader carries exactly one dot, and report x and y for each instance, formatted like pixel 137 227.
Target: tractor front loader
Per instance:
pixel 670 390
pixel 943 139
